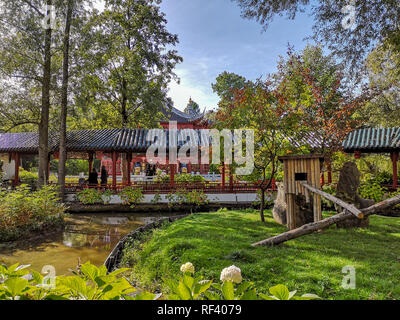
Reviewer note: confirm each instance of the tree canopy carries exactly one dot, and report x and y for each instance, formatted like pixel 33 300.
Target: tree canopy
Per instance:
pixel 351 29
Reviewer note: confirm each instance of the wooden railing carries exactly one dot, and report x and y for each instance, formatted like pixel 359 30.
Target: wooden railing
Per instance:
pixel 150 187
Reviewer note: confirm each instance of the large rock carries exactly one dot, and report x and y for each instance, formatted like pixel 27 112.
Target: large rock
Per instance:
pixel 279 210
pixel 349 181
pixel 304 213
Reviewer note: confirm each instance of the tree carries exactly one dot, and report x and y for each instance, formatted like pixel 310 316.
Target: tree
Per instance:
pixel 383 66
pixel 26 61
pixel 350 28
pixel 127 65
pixel 64 98
pixel 318 92
pixel 192 108
pixel 225 86
pixel 262 107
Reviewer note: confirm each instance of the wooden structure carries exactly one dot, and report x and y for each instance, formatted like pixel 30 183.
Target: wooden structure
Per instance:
pixel 376 141
pixel 297 170
pixel 87 144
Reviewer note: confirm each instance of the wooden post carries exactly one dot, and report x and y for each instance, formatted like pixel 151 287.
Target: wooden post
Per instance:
pixel 322 178
pixel 16 175
pixel 395 158
pixel 90 162
pixel 230 179
pixel 114 169
pixel 128 164
pixel 329 167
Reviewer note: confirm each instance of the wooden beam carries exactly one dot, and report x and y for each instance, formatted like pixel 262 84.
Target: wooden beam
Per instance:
pixel 349 207
pixel 315 226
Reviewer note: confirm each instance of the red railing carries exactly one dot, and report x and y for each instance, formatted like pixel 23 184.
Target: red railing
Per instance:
pixel 150 187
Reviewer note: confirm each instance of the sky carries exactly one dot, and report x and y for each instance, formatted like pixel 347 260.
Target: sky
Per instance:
pixel 215 38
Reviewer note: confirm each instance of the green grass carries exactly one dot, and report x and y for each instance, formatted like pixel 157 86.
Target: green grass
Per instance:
pixel 309 264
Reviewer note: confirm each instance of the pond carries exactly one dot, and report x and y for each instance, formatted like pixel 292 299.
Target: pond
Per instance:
pixel 87 237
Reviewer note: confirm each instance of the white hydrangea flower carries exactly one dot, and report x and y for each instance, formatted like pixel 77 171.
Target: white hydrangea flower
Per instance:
pixel 231 273
pixel 187 267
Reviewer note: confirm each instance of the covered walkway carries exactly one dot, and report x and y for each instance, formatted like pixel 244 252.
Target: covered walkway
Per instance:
pixel 84 144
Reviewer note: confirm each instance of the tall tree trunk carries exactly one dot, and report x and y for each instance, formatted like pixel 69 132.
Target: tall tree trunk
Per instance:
pixel 44 117
pixel 124 160
pixel 64 102
pixel 262 204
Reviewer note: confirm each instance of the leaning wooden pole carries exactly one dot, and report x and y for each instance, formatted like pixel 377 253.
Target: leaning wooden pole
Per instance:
pixel 315 226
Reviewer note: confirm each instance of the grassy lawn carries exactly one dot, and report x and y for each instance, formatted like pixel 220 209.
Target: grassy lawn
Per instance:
pixel 310 264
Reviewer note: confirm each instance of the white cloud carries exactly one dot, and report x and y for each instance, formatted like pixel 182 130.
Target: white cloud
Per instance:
pixel 188 88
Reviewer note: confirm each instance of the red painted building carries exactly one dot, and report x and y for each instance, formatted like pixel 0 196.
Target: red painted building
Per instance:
pixel 190 120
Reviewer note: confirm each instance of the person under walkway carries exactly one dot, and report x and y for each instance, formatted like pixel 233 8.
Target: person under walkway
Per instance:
pixel 93 178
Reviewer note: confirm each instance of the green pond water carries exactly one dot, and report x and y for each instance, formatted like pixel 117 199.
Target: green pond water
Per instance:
pixel 88 237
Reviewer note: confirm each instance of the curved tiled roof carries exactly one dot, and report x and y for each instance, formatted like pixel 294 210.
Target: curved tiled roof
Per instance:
pixel 373 140
pixel 174 114
pixel 123 140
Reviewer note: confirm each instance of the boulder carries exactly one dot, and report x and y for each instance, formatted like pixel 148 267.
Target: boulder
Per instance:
pixel 279 210
pixel 349 181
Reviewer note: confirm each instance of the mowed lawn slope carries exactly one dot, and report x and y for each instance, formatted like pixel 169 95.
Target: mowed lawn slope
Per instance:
pixel 310 264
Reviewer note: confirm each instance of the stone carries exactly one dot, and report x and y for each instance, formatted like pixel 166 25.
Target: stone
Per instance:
pixel 279 209
pixel 349 181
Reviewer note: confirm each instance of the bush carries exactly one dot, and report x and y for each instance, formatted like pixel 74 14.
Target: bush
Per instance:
pixel 22 210
pixel 184 177
pixel 371 189
pixel 131 196
pixel 28 178
pixel 93 283
pixel 90 196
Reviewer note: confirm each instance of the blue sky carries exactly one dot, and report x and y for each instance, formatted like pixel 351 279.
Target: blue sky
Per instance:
pixel 215 38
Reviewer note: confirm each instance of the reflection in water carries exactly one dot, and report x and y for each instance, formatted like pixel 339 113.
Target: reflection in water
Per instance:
pixel 88 237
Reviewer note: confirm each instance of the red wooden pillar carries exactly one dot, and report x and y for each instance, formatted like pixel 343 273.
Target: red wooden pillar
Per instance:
pixel 48 167
pixel 172 175
pixel 114 169
pixel 90 162
pixel 395 158
pixel 322 178
pixel 128 164
pixel 189 167
pixel 223 175
pixel 16 175
pixel 329 172
pixel 231 178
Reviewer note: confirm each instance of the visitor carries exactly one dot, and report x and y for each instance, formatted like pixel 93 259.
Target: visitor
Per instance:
pixel 93 176
pixel 104 176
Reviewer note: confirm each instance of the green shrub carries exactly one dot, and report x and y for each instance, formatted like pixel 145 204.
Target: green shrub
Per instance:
pixel 371 189
pixel 93 283
pixel 90 196
pixel 131 196
pixel 22 210
pixel 184 177
pixel 28 178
